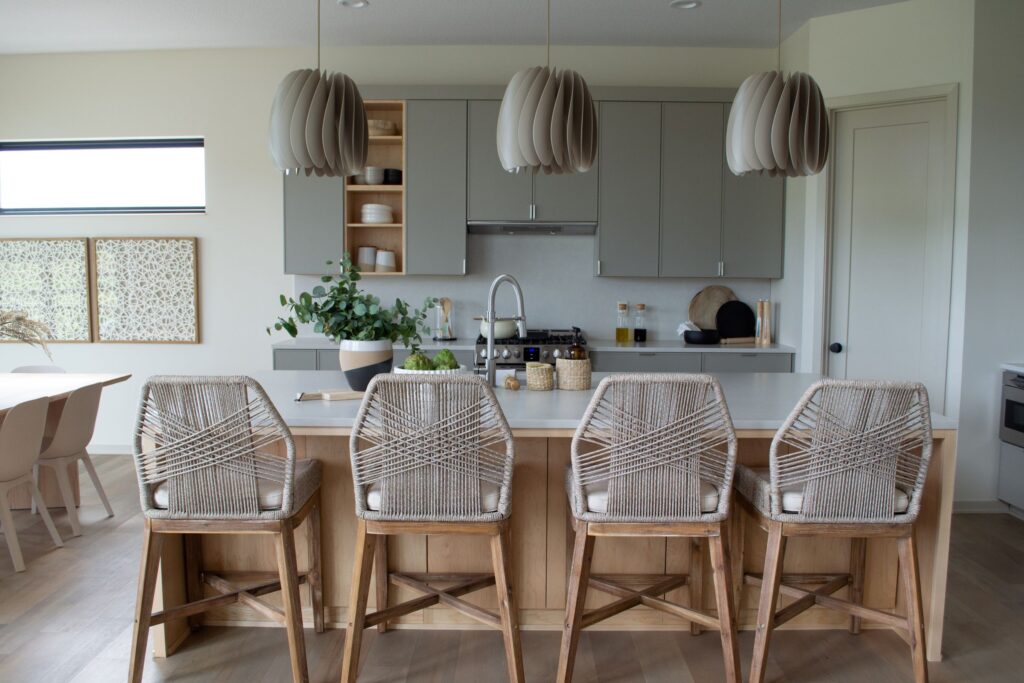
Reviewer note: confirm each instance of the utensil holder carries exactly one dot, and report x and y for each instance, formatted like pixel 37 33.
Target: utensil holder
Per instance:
pixel 540 377
pixel 573 375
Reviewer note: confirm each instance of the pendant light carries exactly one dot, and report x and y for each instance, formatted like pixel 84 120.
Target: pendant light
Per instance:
pixel 777 125
pixel 318 122
pixel 547 121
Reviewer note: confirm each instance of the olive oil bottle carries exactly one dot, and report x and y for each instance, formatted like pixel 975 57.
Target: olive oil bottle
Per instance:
pixel 622 330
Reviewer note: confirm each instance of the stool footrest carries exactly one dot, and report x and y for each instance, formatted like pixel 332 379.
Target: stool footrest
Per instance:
pixel 463 584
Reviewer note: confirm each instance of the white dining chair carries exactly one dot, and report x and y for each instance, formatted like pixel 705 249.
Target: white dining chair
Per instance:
pixel 21 432
pixel 55 369
pixel 67 446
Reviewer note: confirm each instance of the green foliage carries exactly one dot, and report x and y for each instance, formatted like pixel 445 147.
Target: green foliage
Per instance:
pixel 418 360
pixel 342 311
pixel 445 360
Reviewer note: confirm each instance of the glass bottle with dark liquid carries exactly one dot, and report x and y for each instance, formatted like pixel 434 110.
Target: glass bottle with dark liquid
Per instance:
pixel 640 324
pixel 576 351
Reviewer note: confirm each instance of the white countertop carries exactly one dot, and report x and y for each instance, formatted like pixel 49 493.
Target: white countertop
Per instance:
pixel 756 401
pixel 599 345
pixel 1013 367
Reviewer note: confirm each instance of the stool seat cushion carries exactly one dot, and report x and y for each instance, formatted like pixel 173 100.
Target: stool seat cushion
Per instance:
pixel 490 494
pixel 597 497
pixel 307 480
pixel 754 484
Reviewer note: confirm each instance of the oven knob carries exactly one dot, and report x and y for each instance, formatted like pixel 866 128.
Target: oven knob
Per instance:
pixel 543 354
pixel 506 354
pixel 483 353
pixel 516 353
pixel 496 353
pixel 556 353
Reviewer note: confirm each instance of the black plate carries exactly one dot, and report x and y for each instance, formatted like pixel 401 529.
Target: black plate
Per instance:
pixel 735 319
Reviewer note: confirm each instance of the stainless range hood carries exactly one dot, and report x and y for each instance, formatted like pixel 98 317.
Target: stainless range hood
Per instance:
pixel 529 228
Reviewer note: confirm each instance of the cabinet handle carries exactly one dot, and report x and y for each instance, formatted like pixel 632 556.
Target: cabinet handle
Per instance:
pixel 598 266
pixel 646 353
pixel 463 266
pixel 533 211
pixel 721 268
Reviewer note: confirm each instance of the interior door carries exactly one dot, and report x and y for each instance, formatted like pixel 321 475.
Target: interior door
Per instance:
pixel 892 245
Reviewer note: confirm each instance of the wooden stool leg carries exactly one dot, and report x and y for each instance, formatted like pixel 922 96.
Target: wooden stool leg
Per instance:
pixel 64 482
pixel 361 569
pixel 773 558
pixel 380 570
pixel 722 569
pixel 152 545
pixel 314 577
pixel 696 581
pixel 10 532
pixel 858 560
pixel 579 577
pixel 194 575
pixel 96 482
pixel 501 546
pixel 288 570
pixel 915 608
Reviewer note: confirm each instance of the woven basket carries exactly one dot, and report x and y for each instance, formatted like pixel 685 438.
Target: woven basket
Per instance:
pixel 540 377
pixel 573 375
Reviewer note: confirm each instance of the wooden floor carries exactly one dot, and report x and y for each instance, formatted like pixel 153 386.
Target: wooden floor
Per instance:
pixel 68 618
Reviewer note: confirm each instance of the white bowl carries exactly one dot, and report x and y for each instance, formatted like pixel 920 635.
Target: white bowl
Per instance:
pixel 374 175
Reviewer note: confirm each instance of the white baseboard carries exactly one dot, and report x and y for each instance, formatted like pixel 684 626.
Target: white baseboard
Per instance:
pixel 982 507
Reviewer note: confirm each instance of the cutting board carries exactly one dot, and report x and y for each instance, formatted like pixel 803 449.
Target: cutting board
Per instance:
pixel 704 306
pixel 735 319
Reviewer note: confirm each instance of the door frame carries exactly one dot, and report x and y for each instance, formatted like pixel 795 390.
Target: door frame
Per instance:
pixel 946 93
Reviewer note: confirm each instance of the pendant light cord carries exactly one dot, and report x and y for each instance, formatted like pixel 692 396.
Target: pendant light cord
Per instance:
pixel 318 2
pixel 549 36
pixel 778 50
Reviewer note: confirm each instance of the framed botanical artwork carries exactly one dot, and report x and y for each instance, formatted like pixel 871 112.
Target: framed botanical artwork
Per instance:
pixel 145 289
pixel 48 280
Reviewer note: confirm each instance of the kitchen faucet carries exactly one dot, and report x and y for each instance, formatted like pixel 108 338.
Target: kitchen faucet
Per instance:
pixel 520 320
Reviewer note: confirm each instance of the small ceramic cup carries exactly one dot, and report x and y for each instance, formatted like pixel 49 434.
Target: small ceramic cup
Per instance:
pixel 386 261
pixel 367 259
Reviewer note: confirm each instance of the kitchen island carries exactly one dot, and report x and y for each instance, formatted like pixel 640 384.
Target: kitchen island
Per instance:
pixel 543 424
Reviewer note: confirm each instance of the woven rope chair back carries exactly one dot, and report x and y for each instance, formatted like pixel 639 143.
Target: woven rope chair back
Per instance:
pixel 651 439
pixel 211 440
pixel 432 446
pixel 849 445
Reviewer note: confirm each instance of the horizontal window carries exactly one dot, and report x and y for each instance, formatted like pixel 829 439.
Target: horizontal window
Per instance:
pixel 103 176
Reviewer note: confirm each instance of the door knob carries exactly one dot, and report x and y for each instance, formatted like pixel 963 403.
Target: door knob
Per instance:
pixel 835 347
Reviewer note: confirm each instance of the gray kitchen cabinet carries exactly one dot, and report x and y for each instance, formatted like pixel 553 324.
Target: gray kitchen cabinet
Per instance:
pixel 630 189
pixel 692 158
pixel 644 361
pixel 748 362
pixel 569 198
pixel 295 359
pixel 436 187
pixel 314 223
pixel 328 359
pixel 752 224
pixel 494 193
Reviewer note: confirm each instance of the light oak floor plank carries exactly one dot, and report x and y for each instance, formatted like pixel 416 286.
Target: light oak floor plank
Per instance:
pixel 68 618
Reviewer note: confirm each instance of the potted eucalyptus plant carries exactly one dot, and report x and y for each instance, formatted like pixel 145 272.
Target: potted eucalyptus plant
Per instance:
pixel 365 330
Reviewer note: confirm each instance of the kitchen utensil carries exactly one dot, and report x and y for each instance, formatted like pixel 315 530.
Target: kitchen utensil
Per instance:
pixel 735 319
pixel 386 261
pixel 764 322
pixel 701 336
pixel 738 340
pixel 704 306
pixel 504 328
pixel 443 313
pixel 366 259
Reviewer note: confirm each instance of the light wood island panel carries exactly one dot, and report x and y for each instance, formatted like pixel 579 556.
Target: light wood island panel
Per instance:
pixel 542 545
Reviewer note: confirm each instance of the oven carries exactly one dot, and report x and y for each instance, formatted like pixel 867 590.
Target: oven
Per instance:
pixel 1011 418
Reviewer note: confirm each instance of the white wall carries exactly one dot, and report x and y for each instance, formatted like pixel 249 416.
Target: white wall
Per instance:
pixel 995 247
pixel 224 96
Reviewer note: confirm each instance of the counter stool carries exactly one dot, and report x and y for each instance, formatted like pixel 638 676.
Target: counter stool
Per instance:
pixel 21 432
pixel 207 457
pixel 431 455
pixel 850 461
pixel 653 456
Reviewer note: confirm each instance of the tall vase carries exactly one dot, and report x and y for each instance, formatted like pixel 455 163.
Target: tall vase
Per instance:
pixel 361 360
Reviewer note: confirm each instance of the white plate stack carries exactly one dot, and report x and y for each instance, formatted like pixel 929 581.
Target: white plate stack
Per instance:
pixel 377 213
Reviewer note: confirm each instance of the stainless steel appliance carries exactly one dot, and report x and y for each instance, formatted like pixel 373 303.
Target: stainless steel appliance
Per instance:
pixel 1011 433
pixel 544 346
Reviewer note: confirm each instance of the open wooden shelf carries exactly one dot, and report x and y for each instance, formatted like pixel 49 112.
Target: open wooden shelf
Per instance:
pixel 385 151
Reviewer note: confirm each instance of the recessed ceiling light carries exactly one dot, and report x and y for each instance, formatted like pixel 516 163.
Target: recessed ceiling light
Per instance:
pixel 684 4
pixel 359 4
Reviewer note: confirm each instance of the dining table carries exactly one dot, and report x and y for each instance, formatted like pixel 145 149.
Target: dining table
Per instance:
pixel 18 387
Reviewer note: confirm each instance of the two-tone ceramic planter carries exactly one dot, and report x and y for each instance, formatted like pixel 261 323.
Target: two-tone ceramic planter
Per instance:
pixel 361 360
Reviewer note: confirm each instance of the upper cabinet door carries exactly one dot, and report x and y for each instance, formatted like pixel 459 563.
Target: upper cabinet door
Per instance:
pixel 570 198
pixel 435 180
pixel 752 225
pixel 630 181
pixel 692 157
pixel 314 224
pixel 494 193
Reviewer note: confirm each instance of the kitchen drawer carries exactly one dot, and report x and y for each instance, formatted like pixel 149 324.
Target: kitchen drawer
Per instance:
pixel 748 362
pixel 1011 475
pixel 294 359
pixel 644 361
pixel 327 359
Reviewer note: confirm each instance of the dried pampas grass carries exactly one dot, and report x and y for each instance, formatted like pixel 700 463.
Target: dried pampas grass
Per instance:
pixel 18 326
